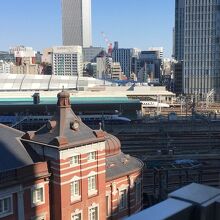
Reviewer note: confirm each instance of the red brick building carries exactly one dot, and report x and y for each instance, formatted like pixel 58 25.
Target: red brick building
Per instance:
pixel 67 171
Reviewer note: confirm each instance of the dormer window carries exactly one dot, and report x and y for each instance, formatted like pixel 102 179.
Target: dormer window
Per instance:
pixel 92 156
pixel 74 160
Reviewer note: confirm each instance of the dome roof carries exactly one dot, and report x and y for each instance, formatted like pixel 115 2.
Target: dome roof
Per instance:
pixel 112 145
pixel 63 94
pixel 63 99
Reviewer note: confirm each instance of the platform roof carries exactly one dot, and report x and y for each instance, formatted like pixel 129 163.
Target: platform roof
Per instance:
pixel 74 100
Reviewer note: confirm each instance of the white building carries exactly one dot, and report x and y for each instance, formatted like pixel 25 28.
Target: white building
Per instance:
pixel 22 51
pixel 5 67
pixel 159 49
pixel 67 60
pixel 76 22
pixel 102 63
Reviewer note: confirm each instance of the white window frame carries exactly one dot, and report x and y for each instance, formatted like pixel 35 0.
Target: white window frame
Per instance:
pixel 33 189
pixel 10 211
pixel 93 206
pixel 76 212
pixel 75 197
pixel 121 192
pixel 108 206
pixel 91 177
pixel 72 160
pixel 40 217
pixel 92 156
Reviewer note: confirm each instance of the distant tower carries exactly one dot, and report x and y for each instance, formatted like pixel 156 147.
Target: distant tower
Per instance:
pixel 76 23
pixel 179 30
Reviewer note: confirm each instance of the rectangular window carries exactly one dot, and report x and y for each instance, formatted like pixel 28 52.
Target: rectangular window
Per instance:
pixel 75 189
pixel 108 206
pixel 138 192
pixel 93 213
pixel 123 199
pixel 74 160
pixel 5 206
pixel 92 183
pixel 37 196
pixel 77 216
pixel 92 156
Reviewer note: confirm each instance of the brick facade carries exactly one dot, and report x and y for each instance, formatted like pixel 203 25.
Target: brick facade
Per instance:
pixel 84 174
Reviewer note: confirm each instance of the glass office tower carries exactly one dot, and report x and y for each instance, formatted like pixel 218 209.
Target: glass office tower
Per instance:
pixel 197 23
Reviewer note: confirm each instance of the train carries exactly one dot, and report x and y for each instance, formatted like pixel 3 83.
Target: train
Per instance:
pixel 87 119
pixel 153 104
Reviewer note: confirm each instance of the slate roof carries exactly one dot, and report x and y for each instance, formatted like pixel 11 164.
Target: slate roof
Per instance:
pixel 13 154
pixel 59 130
pixel 120 165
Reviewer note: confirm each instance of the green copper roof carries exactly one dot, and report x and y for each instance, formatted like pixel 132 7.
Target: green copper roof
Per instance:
pixel 74 100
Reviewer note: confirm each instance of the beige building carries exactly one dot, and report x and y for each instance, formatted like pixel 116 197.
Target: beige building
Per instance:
pixel 47 55
pixel 117 73
pixel 27 69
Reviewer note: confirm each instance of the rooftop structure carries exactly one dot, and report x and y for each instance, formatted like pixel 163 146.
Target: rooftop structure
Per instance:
pixel 191 202
pixel 67 60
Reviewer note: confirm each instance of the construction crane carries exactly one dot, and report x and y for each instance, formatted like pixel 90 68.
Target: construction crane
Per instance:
pixel 107 55
pixel 109 44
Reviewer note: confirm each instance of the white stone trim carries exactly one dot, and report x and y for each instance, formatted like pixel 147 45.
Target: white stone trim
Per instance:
pixel 10 196
pixel 123 187
pixel 75 164
pixel 65 154
pixel 35 187
pixel 67 182
pixel 75 198
pixel 77 211
pixel 92 173
pixel 92 192
pixel 94 205
pixel 109 207
pixel 39 217
pixel 82 164
pixel 77 171
pixel 75 178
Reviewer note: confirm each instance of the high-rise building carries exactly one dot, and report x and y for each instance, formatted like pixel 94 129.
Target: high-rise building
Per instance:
pixel 197 42
pixel 124 57
pixel 159 50
pixel 178 49
pixel 67 60
pixel 147 66
pixel 91 53
pixel 76 23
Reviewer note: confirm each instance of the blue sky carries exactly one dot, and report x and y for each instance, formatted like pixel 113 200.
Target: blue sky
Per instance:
pixel 134 23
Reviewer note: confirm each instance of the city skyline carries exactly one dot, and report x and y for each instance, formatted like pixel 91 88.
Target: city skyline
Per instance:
pixel 44 23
